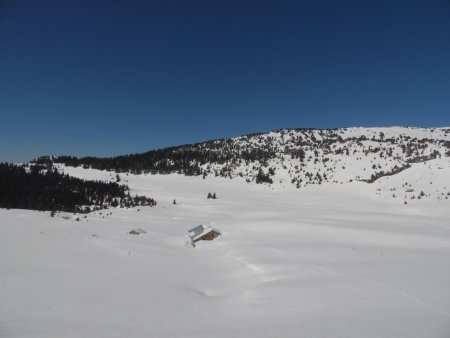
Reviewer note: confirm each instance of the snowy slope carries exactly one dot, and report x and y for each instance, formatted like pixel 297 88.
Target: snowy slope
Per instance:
pixel 335 260
pixel 340 155
pixel 293 157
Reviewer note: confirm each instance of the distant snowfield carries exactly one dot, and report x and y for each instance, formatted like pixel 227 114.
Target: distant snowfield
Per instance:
pixel 323 261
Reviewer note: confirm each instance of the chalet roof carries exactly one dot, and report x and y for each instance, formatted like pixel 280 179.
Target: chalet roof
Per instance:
pixel 137 231
pixel 199 231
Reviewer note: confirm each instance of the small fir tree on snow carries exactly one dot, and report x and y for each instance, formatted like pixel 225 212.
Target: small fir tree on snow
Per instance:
pixel 174 202
pixel 263 178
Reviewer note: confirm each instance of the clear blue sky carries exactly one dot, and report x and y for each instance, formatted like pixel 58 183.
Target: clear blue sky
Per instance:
pixel 112 77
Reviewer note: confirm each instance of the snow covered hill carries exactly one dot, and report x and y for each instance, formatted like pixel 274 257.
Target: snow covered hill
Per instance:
pixel 351 239
pixel 302 157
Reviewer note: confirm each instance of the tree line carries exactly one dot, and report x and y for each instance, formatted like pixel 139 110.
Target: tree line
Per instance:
pixel 39 187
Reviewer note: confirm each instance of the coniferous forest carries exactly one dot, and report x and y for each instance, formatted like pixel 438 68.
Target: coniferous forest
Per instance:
pixel 43 188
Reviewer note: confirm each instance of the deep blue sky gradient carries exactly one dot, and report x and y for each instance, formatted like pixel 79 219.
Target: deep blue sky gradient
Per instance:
pixel 112 77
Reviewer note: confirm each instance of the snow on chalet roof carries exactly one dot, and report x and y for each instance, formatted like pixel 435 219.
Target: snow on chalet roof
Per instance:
pixel 199 231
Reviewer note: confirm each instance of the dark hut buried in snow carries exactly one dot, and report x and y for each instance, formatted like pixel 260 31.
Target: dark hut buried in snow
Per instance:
pixel 137 231
pixel 203 233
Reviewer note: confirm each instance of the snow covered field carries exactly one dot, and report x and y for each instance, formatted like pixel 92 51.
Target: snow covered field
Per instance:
pixel 323 261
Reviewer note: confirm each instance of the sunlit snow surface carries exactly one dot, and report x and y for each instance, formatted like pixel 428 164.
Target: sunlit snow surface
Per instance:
pixel 323 261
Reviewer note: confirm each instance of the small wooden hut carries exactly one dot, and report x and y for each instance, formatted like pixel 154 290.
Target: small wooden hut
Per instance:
pixel 203 233
pixel 137 231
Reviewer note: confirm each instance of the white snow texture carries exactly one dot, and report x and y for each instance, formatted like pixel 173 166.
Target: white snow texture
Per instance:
pixel 330 260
